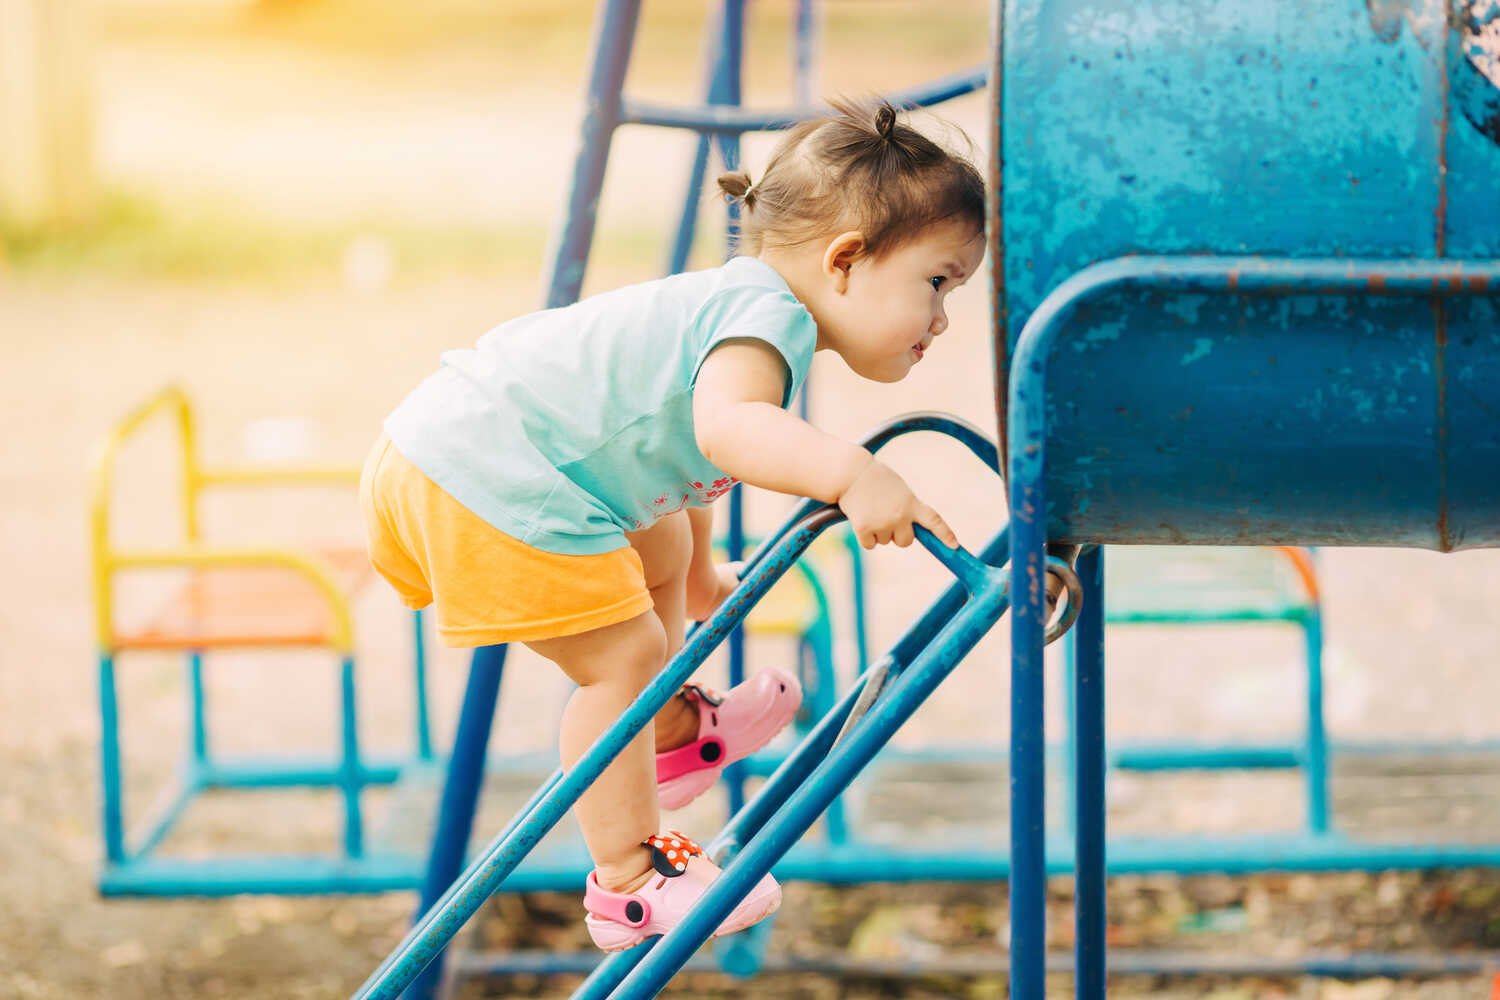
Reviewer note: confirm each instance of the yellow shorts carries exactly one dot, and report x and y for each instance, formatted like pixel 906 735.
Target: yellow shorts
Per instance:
pixel 488 587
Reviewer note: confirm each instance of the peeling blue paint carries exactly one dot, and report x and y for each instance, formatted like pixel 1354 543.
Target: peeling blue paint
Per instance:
pixel 1202 347
pixel 1287 129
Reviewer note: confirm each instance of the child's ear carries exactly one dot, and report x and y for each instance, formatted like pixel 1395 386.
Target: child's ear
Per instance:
pixel 843 250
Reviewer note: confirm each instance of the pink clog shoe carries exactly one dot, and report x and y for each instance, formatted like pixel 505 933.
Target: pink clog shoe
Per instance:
pixel 620 920
pixel 730 728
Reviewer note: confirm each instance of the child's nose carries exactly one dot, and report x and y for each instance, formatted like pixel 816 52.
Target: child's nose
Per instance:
pixel 939 323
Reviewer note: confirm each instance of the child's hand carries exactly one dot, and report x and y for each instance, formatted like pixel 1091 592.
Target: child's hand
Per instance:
pixel 706 590
pixel 881 508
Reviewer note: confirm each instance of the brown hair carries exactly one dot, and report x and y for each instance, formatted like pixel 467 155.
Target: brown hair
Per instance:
pixel 860 168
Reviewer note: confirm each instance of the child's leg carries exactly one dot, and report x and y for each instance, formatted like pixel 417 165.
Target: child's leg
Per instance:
pixel 611 666
pixel 626 899
pixel 666 549
pixel 619 811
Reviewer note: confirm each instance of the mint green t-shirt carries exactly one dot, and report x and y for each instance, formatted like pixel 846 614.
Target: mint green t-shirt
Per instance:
pixel 569 427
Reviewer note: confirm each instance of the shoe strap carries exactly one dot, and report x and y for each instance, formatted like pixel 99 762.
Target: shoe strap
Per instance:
pixel 616 906
pixel 697 755
pixel 705 752
pixel 670 852
pixel 704 694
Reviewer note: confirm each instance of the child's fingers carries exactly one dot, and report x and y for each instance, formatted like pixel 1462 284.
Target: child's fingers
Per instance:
pixel 933 522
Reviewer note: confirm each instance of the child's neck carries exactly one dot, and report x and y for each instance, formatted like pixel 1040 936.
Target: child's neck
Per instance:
pixel 800 267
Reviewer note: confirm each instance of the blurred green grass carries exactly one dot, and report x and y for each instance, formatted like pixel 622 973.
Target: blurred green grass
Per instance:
pixel 158 233
pixel 135 236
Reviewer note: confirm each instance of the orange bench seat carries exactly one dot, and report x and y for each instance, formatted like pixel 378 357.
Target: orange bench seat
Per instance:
pixel 249 606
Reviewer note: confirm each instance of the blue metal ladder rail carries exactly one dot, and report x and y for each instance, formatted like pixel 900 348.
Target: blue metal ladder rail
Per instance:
pixel 810 778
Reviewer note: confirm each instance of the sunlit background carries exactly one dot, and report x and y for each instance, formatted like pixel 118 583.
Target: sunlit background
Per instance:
pixel 290 208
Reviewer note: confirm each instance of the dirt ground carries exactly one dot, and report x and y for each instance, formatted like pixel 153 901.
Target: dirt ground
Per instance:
pixel 359 146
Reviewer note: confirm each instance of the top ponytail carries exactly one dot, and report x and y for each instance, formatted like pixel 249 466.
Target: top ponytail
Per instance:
pixel 860 168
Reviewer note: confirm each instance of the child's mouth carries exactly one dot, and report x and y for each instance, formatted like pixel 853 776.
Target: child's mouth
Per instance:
pixel 919 350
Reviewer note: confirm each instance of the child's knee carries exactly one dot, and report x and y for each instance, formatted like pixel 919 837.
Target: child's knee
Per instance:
pixel 629 653
pixel 643 653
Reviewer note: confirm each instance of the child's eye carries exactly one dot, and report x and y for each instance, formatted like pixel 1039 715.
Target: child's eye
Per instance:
pixel 937 281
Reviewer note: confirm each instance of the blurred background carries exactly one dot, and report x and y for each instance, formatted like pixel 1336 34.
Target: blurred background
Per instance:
pixel 290 208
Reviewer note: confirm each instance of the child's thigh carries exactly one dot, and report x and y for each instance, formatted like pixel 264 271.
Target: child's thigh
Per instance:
pixel 665 548
pixel 630 651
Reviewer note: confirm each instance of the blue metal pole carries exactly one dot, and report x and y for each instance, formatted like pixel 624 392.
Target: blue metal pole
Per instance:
pixel 839 966
pixel 1028 877
pixel 614 34
pixel 199 726
pixel 687 223
pixel 158 821
pixel 1070 739
pixel 861 626
pixel 722 120
pixel 350 771
pixel 804 54
pixel 1089 761
pixel 455 819
pixel 904 695
pixel 109 762
pixel 419 662
pixel 682 244
pixel 734 544
pixel 821 648
pixel 1316 760
pixel 608 973
pixel 731 49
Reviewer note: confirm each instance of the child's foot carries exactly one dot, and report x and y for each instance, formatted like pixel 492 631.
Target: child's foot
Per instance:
pixel 730 728
pixel 619 920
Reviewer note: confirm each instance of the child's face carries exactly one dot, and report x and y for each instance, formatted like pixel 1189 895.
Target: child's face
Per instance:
pixel 891 307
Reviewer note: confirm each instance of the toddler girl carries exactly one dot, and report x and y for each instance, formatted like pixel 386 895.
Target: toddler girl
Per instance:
pixel 551 485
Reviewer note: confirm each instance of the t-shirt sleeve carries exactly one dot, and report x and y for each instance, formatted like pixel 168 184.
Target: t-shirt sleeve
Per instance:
pixel 759 312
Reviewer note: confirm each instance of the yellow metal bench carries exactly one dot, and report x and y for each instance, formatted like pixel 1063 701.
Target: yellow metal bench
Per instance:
pixel 232 597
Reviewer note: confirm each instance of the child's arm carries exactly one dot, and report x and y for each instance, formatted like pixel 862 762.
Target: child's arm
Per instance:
pixel 741 427
pixel 707 584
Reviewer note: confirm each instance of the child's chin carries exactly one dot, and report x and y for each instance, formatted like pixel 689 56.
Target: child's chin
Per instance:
pixel 886 373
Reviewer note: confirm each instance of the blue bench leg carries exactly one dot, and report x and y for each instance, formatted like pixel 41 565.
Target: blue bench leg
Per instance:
pixel 351 770
pixel 1316 760
pixel 197 720
pixel 450 841
pixel 109 764
pixel 1089 764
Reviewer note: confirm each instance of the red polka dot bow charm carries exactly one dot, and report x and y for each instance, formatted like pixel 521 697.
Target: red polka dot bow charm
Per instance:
pixel 670 852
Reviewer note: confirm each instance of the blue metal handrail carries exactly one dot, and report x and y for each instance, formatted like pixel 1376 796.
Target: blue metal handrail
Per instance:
pixel 1027 439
